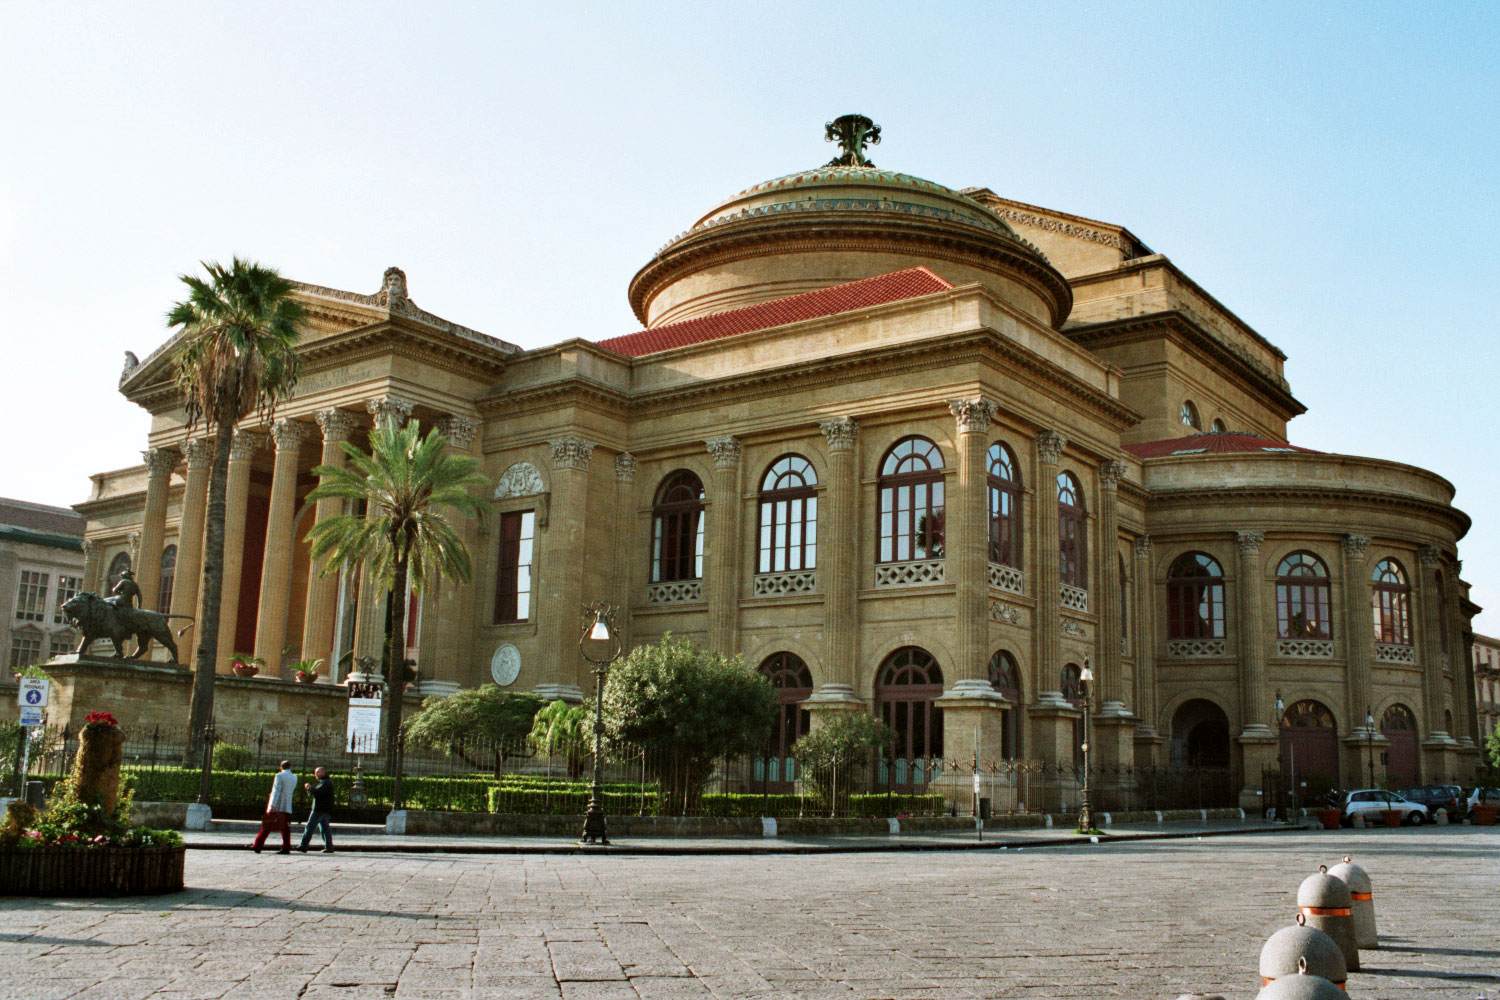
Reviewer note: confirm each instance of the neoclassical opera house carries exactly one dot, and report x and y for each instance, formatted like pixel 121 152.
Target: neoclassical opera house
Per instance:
pixel 914 451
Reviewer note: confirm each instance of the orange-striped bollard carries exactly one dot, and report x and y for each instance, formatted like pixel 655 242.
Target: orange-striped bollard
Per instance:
pixel 1324 901
pixel 1362 895
pixel 1305 947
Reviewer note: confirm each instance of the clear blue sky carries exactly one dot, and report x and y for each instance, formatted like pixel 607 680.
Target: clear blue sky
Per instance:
pixel 1328 171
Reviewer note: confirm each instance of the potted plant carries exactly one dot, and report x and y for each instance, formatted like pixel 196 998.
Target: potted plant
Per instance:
pixel 245 665
pixel 1331 817
pixel 306 671
pixel 1393 817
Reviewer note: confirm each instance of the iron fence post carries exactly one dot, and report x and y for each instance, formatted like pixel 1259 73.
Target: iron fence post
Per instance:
pixel 205 780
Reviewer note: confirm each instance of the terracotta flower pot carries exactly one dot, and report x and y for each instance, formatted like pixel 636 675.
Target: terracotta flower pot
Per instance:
pixel 303 677
pixel 1484 815
pixel 1392 817
pixel 1330 818
pixel 245 669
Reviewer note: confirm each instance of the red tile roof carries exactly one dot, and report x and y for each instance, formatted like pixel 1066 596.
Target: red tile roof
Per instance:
pixel 893 287
pixel 1219 444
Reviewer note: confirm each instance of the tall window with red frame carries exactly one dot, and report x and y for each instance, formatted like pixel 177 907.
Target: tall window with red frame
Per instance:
pixel 1005 506
pixel 677 529
pixel 1302 598
pixel 1195 598
pixel 513 575
pixel 1390 603
pixel 788 516
pixel 1071 541
pixel 910 523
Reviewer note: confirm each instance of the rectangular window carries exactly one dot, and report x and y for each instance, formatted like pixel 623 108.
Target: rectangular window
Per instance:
pixel 67 589
pixel 60 644
pixel 31 601
pixel 25 650
pixel 513 576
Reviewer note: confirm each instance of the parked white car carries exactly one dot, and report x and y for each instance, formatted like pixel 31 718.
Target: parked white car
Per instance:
pixel 1489 796
pixel 1374 803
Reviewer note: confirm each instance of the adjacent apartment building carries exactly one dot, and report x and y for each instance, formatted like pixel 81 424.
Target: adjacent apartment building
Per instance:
pixel 41 565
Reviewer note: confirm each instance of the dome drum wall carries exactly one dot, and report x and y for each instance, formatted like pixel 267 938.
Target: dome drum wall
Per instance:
pixel 836 224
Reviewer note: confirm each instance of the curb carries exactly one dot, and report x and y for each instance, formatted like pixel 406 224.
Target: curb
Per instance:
pixel 668 850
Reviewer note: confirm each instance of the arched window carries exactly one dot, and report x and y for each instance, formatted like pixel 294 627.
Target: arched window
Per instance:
pixel 1187 414
pixel 1005 506
pixel 1005 677
pixel 788 516
pixel 1071 543
pixel 911 502
pixel 1302 598
pixel 677 529
pixel 1195 598
pixel 168 577
pixel 1218 427
pixel 793 683
pixel 908 684
pixel 117 567
pixel 1390 603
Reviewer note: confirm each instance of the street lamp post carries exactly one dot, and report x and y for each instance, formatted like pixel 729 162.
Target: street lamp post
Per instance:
pixel 1085 813
pixel 1370 742
pixel 598 630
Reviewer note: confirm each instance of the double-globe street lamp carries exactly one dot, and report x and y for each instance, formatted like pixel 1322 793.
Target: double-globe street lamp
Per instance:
pixel 598 643
pixel 1085 813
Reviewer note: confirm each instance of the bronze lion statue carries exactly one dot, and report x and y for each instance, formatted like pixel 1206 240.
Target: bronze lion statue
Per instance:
pixel 98 618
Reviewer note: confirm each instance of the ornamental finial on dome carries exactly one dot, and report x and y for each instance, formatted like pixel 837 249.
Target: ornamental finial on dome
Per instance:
pixel 852 133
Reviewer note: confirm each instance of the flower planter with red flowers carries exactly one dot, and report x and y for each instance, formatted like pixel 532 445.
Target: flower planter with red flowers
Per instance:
pixel 1484 815
pixel 1393 817
pixel 88 870
pixel 1331 817
pixel 245 665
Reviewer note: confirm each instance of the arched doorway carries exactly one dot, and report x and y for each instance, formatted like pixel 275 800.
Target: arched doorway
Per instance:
pixel 1310 747
pixel 1005 677
pixel 1200 735
pixel 905 689
pixel 1399 726
pixel 793 683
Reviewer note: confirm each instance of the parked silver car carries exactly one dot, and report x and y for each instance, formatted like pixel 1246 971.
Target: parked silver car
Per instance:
pixel 1374 803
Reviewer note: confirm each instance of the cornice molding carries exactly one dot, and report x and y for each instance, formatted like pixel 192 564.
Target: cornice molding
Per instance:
pixel 1332 498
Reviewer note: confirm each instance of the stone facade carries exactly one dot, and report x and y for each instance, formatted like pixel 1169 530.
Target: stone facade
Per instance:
pixel 1487 683
pixel 639 471
pixel 41 565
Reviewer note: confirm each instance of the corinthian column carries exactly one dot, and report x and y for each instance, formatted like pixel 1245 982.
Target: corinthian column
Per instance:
pixel 1251 629
pixel 562 577
pixel 200 456
pixel 625 540
pixel 242 449
pixel 159 465
pixel 1049 447
pixel 1145 644
pixel 276 565
pixel 838 569
pixel 968 542
pixel 448 615
pixel 1359 636
pixel 723 582
pixel 1110 474
pixel 322 591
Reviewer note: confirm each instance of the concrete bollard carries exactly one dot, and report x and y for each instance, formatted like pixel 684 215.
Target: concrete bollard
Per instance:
pixel 1362 901
pixel 1357 821
pixel 1325 902
pixel 1302 986
pixel 1440 817
pixel 1302 947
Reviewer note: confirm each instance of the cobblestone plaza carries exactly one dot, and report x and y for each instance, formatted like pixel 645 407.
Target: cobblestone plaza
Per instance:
pixel 1141 920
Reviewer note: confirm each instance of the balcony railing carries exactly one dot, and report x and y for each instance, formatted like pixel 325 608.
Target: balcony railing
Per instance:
pixel 1394 652
pixel 783 584
pixel 1305 649
pixel 1074 598
pixel 1195 649
pixel 675 592
pixel 1007 578
pixel 917 573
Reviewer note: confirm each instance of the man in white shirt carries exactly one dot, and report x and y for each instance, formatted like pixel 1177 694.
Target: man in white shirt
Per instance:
pixel 278 810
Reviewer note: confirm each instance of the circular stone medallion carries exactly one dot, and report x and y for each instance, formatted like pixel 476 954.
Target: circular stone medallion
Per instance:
pixel 505 665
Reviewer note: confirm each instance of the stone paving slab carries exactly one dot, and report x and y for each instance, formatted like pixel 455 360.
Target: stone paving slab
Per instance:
pixel 1140 920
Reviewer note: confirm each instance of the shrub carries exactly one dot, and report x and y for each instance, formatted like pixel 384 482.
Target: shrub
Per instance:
pixel 838 752
pixel 686 707
pixel 496 719
pixel 233 757
pixel 561 728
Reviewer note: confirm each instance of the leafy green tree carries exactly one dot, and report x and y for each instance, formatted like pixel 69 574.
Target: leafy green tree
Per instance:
pixel 475 720
pixel 837 754
pixel 1492 746
pixel 561 728
pixel 238 332
pixel 410 486
pixel 686 707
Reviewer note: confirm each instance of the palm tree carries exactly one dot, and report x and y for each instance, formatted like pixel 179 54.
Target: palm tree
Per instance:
pixel 237 355
pixel 405 482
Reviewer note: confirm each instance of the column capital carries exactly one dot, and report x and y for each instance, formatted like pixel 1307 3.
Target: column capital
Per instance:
pixel 160 461
pixel 89 547
pixel 972 415
pixel 134 541
pixel 1355 546
pixel 1430 556
pixel 245 444
pixel 839 432
pixel 1110 474
pixel 726 451
pixel 336 424
pixel 625 467
pixel 1049 446
pixel 1143 547
pixel 289 434
pixel 1249 541
pixel 391 410
pixel 199 452
pixel 572 452
pixel 459 430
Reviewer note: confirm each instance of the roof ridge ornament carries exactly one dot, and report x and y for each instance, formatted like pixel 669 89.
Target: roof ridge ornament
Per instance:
pixel 853 133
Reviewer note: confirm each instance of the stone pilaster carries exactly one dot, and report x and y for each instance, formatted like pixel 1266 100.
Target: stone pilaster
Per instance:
pixel 1147 740
pixel 200 458
pixel 1255 704
pixel 242 451
pixel 159 465
pixel 276 564
pixel 838 570
pixel 723 556
pixel 1049 447
pixel 91 567
pixel 445 649
pixel 1108 654
pixel 625 542
pixel 1459 692
pixel 1359 636
pixel 322 591
pixel 564 555
pixel 1430 559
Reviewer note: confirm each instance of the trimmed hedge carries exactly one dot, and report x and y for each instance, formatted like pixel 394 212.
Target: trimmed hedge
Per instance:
pixel 876 804
pixel 568 802
pixel 248 790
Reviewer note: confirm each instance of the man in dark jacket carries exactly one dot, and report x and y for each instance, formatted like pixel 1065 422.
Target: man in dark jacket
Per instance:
pixel 322 811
